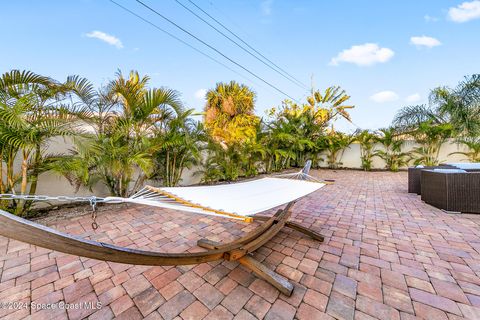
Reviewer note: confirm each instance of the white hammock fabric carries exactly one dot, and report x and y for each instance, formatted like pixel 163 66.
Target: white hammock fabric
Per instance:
pixel 234 200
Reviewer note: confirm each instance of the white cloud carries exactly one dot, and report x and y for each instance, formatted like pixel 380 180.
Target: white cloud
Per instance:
pixel 266 6
pixel 384 96
pixel 413 98
pixel 424 41
pixel 465 12
pixel 200 94
pixel 429 18
pixel 363 55
pixel 105 37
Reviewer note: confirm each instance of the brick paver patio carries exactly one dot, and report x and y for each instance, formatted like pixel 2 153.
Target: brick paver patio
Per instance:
pixel 386 255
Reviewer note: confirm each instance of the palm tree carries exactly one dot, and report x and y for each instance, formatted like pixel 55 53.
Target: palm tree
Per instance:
pixel 33 109
pixel 367 140
pixel 330 104
pixel 230 121
pixel 181 140
pixel 431 138
pixel 297 131
pixel 459 106
pixel 229 113
pixel 254 151
pixel 335 144
pixel 129 120
pixel 289 140
pixel 223 163
pixel 392 153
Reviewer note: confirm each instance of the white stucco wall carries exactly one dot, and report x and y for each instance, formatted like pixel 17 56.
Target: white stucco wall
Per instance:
pixel 54 184
pixel 351 155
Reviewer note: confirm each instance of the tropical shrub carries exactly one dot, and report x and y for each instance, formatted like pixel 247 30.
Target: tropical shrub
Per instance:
pixel 366 140
pixel 335 144
pixel 392 153
pixel 296 132
pixel 33 109
pixel 232 128
pixel 180 139
pixel 140 133
pixel 431 138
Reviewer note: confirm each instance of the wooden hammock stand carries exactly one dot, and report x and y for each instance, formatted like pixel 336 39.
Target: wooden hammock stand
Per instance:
pixel 23 230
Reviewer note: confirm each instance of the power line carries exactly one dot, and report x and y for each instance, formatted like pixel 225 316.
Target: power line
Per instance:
pixel 182 41
pixel 293 80
pixel 245 43
pixel 214 49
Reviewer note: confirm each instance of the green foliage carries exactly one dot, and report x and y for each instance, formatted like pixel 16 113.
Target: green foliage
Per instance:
pixel 431 138
pixel 291 135
pixel 229 162
pixel 140 134
pixel 296 132
pixel 450 113
pixel 180 147
pixel 335 144
pixel 367 140
pixel 459 107
pixel 229 113
pixel 126 132
pixel 33 109
pixel 392 153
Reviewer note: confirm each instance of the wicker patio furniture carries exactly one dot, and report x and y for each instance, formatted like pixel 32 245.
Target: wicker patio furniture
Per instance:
pixel 414 173
pixel 451 189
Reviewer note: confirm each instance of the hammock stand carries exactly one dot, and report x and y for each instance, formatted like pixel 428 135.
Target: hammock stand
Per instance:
pixel 23 230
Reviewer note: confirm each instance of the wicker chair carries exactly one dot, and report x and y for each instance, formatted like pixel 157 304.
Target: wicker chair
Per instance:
pixel 414 173
pixel 451 190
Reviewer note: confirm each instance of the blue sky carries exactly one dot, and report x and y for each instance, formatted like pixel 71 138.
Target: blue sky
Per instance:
pixel 385 54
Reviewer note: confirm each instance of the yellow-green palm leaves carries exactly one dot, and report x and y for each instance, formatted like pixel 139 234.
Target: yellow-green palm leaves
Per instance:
pixel 229 113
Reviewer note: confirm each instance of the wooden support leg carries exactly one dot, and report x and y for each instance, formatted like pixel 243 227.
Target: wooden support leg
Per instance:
pixel 259 269
pixel 268 275
pixel 309 232
pixel 295 226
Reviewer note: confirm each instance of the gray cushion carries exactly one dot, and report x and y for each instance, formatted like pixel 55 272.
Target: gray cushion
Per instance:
pixel 467 166
pixel 450 170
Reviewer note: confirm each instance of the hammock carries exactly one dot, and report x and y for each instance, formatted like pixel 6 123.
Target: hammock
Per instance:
pixel 239 201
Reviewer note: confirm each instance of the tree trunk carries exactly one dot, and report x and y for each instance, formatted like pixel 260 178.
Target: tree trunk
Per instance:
pixel 2 189
pixel 173 173
pixel 10 172
pixel 180 170
pixel 23 185
pixel 167 168
pixel 34 177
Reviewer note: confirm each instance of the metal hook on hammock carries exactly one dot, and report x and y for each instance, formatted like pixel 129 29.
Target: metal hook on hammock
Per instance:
pixel 93 204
